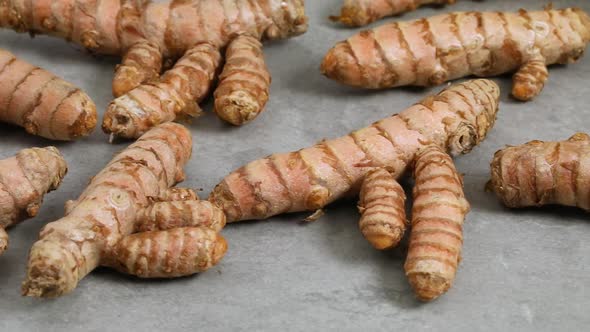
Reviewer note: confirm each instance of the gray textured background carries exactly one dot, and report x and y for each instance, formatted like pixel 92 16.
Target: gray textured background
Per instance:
pixel 522 270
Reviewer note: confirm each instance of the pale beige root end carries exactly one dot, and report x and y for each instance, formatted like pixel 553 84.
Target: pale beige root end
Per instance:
pixel 382 205
pixel 142 63
pixel 3 240
pixel 176 194
pixel 176 214
pixel 438 214
pixel 529 81
pixel 53 269
pixel 244 84
pixel 168 254
pixel 540 173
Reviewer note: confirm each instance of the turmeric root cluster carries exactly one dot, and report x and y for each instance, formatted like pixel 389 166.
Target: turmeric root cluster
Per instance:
pixel 42 103
pixel 369 160
pixel 129 218
pixel 434 50
pixel 356 13
pixel 148 34
pixel 24 180
pixel 541 173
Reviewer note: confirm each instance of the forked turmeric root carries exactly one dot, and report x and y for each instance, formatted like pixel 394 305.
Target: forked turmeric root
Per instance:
pixel 541 173
pixel 456 119
pixel 356 13
pixel 129 219
pixel 446 47
pixel 147 33
pixel 42 103
pixel 24 180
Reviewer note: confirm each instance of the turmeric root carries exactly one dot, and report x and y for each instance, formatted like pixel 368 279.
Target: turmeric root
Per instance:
pixel 24 180
pixel 244 83
pixel 356 13
pixel 541 173
pixel 456 119
pixel 146 33
pixel 42 103
pixel 446 47
pixel 98 227
pixel 178 91
pixel 438 213
pixel 141 63
pixel 382 205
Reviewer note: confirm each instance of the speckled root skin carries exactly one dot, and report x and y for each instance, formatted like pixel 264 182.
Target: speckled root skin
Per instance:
pixel 382 207
pixel 244 84
pixel 438 214
pixel 446 47
pixel 176 194
pixel 184 213
pixel 109 211
pixel 356 13
pixel 540 173
pixel 24 180
pixel 177 92
pixel 457 119
pixel 41 102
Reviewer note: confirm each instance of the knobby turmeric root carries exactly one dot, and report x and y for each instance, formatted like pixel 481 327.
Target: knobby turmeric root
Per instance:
pixel 177 92
pixel 147 33
pixel 175 238
pixel 356 13
pixel 445 47
pixel 24 180
pixel 456 119
pixel 541 173
pixel 438 213
pixel 244 83
pixel 41 102
pixel 382 205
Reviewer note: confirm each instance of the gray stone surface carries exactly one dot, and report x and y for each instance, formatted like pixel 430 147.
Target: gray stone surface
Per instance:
pixel 521 270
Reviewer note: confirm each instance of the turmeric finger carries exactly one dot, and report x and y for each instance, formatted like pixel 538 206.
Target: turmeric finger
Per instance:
pixel 529 80
pixel 178 91
pixel 445 47
pixel 457 119
pixel 438 213
pixel 168 254
pixel 176 214
pixel 42 103
pixel 382 205
pixel 244 83
pixel 71 247
pixel 141 63
pixel 24 180
pixel 540 173
pixel 356 13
